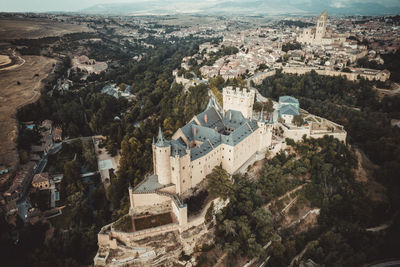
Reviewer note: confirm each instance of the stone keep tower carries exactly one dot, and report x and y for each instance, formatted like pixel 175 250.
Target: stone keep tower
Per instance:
pixel 321 26
pixel 265 135
pixel 161 159
pixel 240 100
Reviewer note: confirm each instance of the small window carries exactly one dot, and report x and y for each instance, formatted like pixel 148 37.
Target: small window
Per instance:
pixel 173 168
pixel 183 167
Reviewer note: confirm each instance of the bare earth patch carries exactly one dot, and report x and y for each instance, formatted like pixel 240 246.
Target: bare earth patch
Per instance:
pixel 4 60
pixel 15 28
pixel 14 95
pixel 364 173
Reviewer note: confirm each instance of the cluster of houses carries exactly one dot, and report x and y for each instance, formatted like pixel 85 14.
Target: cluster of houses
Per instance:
pixel 19 181
pixel 117 92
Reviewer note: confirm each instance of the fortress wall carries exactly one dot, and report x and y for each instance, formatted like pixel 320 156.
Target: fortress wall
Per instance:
pixel 260 76
pixel 184 182
pixel 349 76
pixel 152 209
pixel 197 171
pixel 129 238
pixel 227 155
pixel 246 149
pixel 203 166
pixel 170 189
pixel 341 136
pixel 148 199
pixel 180 213
pixel 296 134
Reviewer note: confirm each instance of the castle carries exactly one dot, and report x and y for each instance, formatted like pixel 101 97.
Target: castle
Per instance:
pixel 320 34
pixel 228 137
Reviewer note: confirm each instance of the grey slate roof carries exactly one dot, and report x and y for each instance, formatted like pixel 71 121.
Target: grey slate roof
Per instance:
pixel 214 119
pixel 288 99
pixel 230 129
pixel 289 110
pixel 177 148
pixel 150 184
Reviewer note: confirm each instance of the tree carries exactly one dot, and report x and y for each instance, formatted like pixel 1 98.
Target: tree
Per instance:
pixel 298 120
pixel 219 183
pixel 269 106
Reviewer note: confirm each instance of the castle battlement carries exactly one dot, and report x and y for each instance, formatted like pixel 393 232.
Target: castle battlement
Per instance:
pixel 240 100
pixel 229 90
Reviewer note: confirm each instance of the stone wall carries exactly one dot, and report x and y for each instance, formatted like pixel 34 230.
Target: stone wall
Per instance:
pixel 149 199
pixel 350 76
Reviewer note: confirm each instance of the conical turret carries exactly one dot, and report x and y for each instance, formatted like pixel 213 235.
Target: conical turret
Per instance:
pixel 161 142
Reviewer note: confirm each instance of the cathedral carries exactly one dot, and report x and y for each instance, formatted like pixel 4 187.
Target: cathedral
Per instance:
pixel 320 34
pixel 226 137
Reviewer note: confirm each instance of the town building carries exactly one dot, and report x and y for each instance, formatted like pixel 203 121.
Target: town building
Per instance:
pixel 288 108
pixel 320 34
pixel 41 181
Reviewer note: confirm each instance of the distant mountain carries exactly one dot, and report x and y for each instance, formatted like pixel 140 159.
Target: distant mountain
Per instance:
pixel 243 7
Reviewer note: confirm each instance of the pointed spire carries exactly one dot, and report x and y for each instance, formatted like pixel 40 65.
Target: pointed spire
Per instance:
pixel 160 138
pixel 153 141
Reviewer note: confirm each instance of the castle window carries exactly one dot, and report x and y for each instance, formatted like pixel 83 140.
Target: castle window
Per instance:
pixel 229 158
pixel 183 167
pixel 160 150
pixel 201 171
pixel 173 168
pixel 183 181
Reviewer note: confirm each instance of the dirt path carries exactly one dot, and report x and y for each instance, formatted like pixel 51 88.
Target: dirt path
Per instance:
pixel 285 195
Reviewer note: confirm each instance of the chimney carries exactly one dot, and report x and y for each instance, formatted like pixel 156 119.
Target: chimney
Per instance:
pixel 205 118
pixel 230 116
pixel 195 131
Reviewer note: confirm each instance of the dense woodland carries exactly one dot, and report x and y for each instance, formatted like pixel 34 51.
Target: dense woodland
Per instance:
pixel 367 121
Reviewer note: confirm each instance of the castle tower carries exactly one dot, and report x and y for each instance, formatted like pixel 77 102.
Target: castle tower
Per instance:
pixel 321 26
pixel 130 190
pixel 265 133
pixel 161 159
pixel 240 100
pixel 180 171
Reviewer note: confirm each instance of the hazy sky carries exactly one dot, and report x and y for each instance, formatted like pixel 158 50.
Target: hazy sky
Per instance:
pixel 76 5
